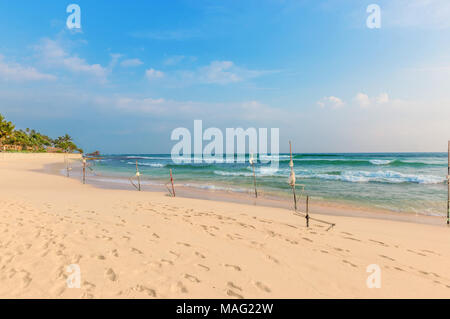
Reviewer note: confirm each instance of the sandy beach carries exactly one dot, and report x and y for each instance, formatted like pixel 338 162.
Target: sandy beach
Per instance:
pixel 131 244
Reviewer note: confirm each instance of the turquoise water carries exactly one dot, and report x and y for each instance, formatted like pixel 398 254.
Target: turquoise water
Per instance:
pixel 404 182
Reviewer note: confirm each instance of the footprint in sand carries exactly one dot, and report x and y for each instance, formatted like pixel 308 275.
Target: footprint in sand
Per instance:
pixel 347 262
pixel 387 257
pixel 350 238
pixel 181 287
pixel 379 242
pixel 273 259
pixel 200 255
pixel 415 252
pixel 261 286
pixel 165 261
pixel 203 267
pixel 233 286
pixel 114 253
pixel 184 244
pixel 144 289
pixel 136 251
pixel 111 275
pixel 237 268
pixel 191 278
pixel 231 293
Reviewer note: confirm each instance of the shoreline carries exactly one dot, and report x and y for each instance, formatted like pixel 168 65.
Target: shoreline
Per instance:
pixel 321 207
pixel 130 244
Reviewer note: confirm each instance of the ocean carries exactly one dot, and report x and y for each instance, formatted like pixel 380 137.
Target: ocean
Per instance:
pixel 400 182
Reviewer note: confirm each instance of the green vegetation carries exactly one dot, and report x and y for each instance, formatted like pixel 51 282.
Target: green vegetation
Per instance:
pixel 31 140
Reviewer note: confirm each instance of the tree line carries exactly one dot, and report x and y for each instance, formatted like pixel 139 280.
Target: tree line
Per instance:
pixel 32 140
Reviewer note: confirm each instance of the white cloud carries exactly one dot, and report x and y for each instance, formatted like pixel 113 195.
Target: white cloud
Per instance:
pixel 131 63
pixel 382 98
pixel 153 74
pixel 167 34
pixel 19 73
pixel 53 54
pixel 173 60
pixel 249 111
pixel 432 14
pixel 225 72
pixel 362 99
pixel 331 102
pixel 219 72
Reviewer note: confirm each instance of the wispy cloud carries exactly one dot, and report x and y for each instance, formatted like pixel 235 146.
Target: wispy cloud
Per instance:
pixel 129 63
pixel 167 34
pixel 15 72
pixel 330 102
pixel 250 111
pixel 363 100
pixel 432 14
pixel 53 54
pixel 221 72
pixel 153 74
pixel 176 59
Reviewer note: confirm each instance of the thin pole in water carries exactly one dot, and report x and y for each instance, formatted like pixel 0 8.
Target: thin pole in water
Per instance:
pixel 171 180
pixel 252 163
pixel 292 176
pixel 138 175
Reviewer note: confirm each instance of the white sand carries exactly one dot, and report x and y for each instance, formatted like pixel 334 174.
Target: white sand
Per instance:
pixel 142 244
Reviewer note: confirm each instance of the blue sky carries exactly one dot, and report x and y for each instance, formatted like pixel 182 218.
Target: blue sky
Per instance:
pixel 138 69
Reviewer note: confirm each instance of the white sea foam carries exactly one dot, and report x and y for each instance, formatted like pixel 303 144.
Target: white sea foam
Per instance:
pixel 273 157
pixel 380 162
pixel 215 187
pixel 147 164
pixel 382 176
pixel 224 173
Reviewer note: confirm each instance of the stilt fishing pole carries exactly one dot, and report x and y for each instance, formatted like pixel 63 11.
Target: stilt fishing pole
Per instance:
pixel 85 163
pixel 252 163
pixel 84 170
pixel 171 181
pixel 292 183
pixel 292 176
pixel 138 176
pixel 307 211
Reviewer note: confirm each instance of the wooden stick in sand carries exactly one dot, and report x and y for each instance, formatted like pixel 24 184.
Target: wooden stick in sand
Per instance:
pixel 84 170
pixel 292 183
pixel 171 180
pixel 292 176
pixel 138 175
pixel 307 211
pixel 252 163
pixel 67 164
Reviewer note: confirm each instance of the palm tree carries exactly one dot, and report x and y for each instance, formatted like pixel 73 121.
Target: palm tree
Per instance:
pixel 6 129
